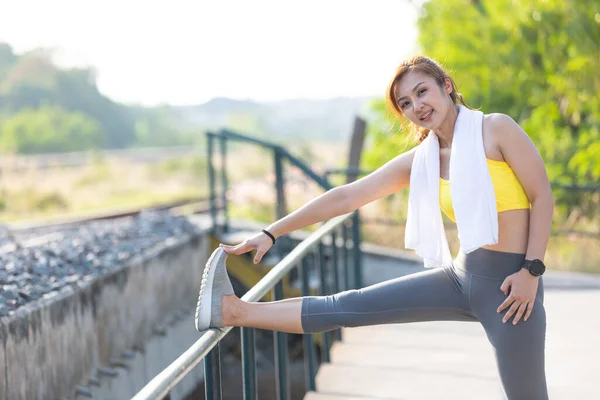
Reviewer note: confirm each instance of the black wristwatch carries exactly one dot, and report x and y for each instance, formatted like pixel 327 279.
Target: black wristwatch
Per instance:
pixel 535 267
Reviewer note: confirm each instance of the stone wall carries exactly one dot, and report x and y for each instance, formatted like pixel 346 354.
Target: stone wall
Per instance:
pixel 90 330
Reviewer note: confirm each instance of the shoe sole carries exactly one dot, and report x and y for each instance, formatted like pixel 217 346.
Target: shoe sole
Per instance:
pixel 203 308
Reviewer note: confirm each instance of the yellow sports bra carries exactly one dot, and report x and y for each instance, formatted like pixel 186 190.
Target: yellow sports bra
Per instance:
pixel 509 191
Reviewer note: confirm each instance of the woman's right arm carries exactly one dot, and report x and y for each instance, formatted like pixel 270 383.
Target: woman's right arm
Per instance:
pixel 391 177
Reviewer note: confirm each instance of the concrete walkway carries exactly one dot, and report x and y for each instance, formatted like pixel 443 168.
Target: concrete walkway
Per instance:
pixel 454 360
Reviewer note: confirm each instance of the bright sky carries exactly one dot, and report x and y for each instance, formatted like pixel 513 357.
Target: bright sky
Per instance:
pixel 187 52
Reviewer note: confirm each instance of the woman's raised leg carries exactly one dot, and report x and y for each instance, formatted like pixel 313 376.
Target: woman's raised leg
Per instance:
pixel 431 295
pixel 281 315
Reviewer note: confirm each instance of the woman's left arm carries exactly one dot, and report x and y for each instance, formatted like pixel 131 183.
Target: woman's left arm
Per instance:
pixel 524 159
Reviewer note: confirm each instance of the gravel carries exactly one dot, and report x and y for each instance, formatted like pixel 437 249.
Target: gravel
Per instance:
pixel 36 263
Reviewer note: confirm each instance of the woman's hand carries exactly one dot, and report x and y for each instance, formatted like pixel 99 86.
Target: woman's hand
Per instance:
pixel 260 242
pixel 523 289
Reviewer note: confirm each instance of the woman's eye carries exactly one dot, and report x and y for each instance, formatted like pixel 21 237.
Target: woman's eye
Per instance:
pixel 404 105
pixel 422 91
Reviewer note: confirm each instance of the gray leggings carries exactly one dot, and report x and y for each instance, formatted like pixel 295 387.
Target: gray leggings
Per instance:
pixel 467 291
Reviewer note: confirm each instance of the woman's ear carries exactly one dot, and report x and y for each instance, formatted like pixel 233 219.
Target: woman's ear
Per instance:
pixel 448 86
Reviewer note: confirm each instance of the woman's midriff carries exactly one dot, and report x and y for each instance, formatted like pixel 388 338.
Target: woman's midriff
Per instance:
pixel 513 232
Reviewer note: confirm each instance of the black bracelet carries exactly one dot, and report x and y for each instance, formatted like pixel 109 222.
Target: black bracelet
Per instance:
pixel 269 234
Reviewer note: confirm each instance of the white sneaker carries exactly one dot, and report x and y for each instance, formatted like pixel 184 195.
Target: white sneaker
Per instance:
pixel 215 284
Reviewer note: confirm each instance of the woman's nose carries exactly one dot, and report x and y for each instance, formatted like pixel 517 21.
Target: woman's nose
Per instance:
pixel 417 105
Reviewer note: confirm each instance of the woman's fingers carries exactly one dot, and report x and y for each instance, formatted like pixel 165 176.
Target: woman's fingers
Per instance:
pixel 237 250
pixel 518 308
pixel 506 285
pixel 259 255
pixel 513 309
pixel 529 310
pixel 520 312
pixel 258 242
pixel 509 300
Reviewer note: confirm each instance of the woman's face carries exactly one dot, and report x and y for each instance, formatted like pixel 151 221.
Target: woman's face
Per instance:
pixel 422 100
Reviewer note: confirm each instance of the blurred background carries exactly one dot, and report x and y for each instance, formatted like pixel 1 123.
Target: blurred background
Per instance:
pixel 105 105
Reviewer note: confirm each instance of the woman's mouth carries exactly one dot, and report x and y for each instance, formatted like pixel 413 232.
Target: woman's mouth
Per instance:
pixel 427 117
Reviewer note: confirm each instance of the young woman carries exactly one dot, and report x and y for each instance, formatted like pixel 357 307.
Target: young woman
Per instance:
pixel 498 285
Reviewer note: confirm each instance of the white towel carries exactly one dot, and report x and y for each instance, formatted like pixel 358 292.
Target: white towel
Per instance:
pixel 471 189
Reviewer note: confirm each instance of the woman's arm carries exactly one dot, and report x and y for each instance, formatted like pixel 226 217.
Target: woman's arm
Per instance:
pixel 522 156
pixel 524 159
pixel 389 178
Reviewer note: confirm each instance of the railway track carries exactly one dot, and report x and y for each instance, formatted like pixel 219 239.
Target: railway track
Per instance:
pixel 31 234
pixel 37 259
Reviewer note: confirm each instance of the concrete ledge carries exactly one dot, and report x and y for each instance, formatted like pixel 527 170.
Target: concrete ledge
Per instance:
pixel 61 340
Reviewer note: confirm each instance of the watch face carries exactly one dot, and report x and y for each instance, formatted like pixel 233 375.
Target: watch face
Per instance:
pixel 537 267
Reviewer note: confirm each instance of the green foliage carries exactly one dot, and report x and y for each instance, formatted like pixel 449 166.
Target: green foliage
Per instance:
pixel 159 126
pixel 32 85
pixel 49 129
pixel 31 81
pixel 533 60
pixel 386 137
pixel 51 201
pixel 536 61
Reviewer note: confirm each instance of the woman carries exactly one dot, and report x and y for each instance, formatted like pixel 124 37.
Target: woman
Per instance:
pixel 498 285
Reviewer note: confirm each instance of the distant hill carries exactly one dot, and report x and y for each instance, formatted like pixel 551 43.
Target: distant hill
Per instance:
pixel 296 119
pixel 48 109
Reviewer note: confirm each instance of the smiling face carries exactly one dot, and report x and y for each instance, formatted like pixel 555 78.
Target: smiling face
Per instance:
pixel 422 100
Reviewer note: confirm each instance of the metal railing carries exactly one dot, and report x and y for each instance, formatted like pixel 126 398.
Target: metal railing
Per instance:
pixel 280 155
pixel 207 347
pixel 319 252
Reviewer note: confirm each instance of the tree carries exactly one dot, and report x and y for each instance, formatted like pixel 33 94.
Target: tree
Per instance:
pixel 536 61
pixel 49 129
pixel 32 81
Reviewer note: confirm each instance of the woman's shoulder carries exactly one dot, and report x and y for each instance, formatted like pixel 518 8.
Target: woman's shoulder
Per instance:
pixel 499 128
pixel 498 121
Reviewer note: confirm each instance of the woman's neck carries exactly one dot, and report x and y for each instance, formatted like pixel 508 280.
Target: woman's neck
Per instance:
pixel 445 132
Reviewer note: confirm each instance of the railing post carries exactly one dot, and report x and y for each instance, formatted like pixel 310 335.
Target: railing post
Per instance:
pixel 286 244
pixel 323 292
pixel 224 185
pixel 309 349
pixel 280 185
pixel 346 257
pixel 249 364
pixel 212 374
pixel 281 354
pixel 356 253
pixel 336 274
pixel 211 180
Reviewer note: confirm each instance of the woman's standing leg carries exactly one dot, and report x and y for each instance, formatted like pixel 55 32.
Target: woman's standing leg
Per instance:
pixel 519 348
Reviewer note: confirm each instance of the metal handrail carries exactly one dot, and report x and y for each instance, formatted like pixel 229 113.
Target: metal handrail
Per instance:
pixel 321 181
pixel 207 347
pixel 164 382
